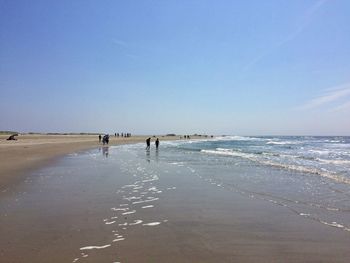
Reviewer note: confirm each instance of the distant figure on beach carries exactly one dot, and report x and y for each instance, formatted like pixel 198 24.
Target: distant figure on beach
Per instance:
pixel 148 143
pixel 12 137
pixel 105 139
pixel 157 143
pixel 99 138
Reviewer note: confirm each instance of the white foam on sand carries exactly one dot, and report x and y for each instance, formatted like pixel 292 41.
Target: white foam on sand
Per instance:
pixel 335 224
pixel 109 223
pixel 95 247
pixel 130 212
pixel 132 198
pixel 145 201
pixel 136 222
pixel 152 224
pixel 130 185
pixel 304 214
pixel 155 178
pixel 147 206
pixel 118 239
pixel 119 209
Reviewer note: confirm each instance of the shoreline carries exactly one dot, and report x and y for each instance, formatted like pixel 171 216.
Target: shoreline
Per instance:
pixel 34 151
pixel 135 207
pixel 160 206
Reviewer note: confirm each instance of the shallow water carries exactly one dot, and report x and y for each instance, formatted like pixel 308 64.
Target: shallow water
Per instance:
pixel 308 175
pixel 92 206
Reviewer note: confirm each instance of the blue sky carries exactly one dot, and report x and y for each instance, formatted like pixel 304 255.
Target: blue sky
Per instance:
pixel 153 67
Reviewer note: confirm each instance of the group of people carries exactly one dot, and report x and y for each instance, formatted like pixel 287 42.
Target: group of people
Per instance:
pixel 125 135
pixel 148 143
pixel 105 139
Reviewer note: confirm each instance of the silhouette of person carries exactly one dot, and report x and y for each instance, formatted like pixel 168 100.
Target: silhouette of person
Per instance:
pixel 148 143
pixel 157 143
pixel 99 138
pixel 105 139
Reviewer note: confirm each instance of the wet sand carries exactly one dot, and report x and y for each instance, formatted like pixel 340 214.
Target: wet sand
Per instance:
pixel 30 152
pixel 90 208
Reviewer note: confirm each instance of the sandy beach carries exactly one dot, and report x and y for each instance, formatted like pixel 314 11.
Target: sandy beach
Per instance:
pixel 69 201
pixel 175 131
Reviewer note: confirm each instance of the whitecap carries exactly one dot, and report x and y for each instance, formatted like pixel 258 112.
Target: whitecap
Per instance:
pixel 334 161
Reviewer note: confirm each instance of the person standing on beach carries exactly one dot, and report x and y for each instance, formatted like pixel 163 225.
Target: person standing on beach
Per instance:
pixel 105 139
pixel 148 143
pixel 157 143
pixel 99 138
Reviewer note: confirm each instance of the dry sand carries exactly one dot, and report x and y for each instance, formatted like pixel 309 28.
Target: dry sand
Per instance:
pixel 30 152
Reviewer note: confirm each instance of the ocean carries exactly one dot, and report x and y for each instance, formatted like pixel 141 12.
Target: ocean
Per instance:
pixel 305 174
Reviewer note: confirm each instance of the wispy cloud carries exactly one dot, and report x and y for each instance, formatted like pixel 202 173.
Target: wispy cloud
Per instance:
pixel 132 56
pixel 125 48
pixel 336 98
pixel 120 43
pixel 309 14
pixel 343 107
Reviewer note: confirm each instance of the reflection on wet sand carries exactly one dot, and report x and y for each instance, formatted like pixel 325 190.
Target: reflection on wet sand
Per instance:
pixel 148 155
pixel 105 151
pixel 157 155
